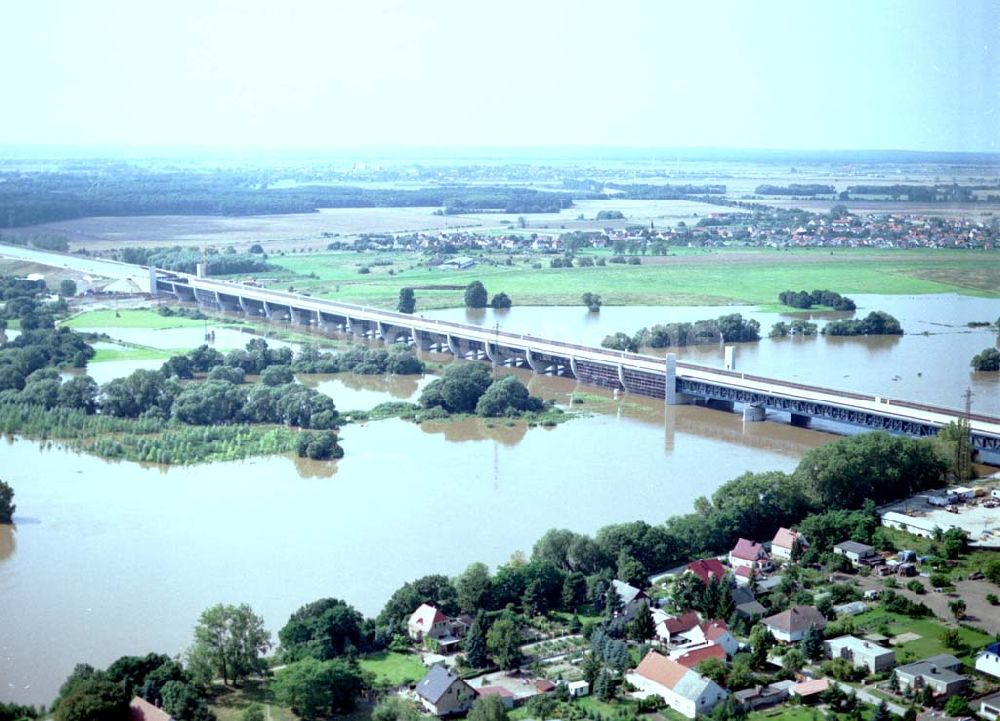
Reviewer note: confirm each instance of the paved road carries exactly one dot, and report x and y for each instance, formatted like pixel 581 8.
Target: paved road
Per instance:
pixel 79 263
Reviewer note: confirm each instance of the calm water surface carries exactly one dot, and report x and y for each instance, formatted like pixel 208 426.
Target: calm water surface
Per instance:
pixel 115 558
pixel 931 368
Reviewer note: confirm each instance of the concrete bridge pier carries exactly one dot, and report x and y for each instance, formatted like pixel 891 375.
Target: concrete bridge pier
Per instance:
pixel 754 414
pixel 421 340
pixel 800 421
pixel 674 398
pixel 533 363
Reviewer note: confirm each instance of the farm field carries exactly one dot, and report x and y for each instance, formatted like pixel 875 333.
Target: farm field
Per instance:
pixel 695 278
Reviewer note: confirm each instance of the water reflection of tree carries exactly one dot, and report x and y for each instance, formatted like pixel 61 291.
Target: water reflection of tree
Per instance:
pixel 478 429
pixel 308 468
pixel 8 541
pixel 402 387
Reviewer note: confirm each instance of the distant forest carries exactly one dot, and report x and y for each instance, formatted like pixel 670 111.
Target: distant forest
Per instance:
pixel 29 199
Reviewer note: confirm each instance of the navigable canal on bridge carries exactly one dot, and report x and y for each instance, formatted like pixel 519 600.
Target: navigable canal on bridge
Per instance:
pixel 113 558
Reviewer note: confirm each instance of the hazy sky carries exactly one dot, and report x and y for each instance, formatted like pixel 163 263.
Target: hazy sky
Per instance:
pixel 910 74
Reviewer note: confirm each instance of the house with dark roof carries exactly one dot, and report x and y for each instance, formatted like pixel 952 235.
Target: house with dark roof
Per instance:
pixel 988 660
pixel 938 673
pixel 706 569
pixel 989 707
pixel 684 690
pixel 859 554
pixel 631 597
pixel 443 693
pixel 763 696
pixel 784 541
pixel 749 554
pixel 791 625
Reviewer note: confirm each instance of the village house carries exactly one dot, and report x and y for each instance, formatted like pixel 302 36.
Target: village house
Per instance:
pixel 691 657
pixel 989 707
pixel 706 569
pixel 763 696
pixel 670 629
pixel 861 653
pixel 443 693
pixel 506 697
pixel 140 709
pixel 785 541
pixel 988 660
pixel 684 690
pixel 790 626
pixel 938 673
pixel 631 597
pixel 712 632
pixel 859 554
pixel 750 555
pixel 428 622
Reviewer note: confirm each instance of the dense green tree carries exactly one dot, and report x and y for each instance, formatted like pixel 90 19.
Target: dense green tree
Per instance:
pixel 183 701
pixel 277 375
pixel 488 708
pixel 67 288
pixel 574 591
pixel 473 588
pixel 459 388
pixel 7 505
pixel 642 628
pixel 311 687
pixel 229 641
pixel 592 301
pixel 507 396
pixel 318 445
pixel 761 642
pixel 475 295
pixel 138 393
pixel 474 644
pixel 323 629
pixel 988 360
pixel 435 589
pixel 407 301
pixel 500 301
pixel 873 466
pixel 955 707
pixel 812 644
pixel 503 641
pixel 94 699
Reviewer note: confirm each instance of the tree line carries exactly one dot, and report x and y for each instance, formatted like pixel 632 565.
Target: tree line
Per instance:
pixel 804 299
pixel 730 328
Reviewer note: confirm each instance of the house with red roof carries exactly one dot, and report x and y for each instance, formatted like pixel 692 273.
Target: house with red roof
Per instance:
pixel 694 656
pixel 706 569
pixel 669 629
pixel 715 632
pixel 784 541
pixel 749 554
pixel 685 690
pixel 140 709
pixel 428 622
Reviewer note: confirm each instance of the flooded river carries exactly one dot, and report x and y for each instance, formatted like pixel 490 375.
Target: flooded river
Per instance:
pixel 112 558
pixel 930 364
pixel 115 558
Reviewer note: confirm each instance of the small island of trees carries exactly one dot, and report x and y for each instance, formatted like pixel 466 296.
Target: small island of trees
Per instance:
pixel 986 360
pixel 803 299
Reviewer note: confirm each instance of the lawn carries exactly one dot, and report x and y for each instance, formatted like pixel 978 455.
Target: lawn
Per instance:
pixel 929 630
pixel 713 278
pixel 229 703
pixel 129 318
pixel 394 668
pixel 132 353
pixel 786 713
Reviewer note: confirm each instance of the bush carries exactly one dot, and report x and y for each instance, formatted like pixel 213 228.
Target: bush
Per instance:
pixel 318 445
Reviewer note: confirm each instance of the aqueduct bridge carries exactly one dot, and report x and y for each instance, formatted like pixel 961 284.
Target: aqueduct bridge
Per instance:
pixel 674 381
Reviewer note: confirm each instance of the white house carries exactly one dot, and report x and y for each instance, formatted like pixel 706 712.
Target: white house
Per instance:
pixel 748 554
pixel 428 622
pixel 713 632
pixel 686 691
pixel 989 707
pixel 988 660
pixel 784 541
pixel 861 653
pixel 790 626
pixel 443 693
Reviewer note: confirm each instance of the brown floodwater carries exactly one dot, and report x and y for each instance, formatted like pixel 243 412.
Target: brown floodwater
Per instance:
pixel 113 558
pixel 929 364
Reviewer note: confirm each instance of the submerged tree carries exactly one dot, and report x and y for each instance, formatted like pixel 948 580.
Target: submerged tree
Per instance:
pixel 7 506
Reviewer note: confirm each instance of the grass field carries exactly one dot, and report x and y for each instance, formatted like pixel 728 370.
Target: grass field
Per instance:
pixel 130 318
pixel 131 353
pixel 394 668
pixel 699 277
pixel 929 631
